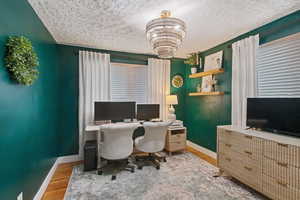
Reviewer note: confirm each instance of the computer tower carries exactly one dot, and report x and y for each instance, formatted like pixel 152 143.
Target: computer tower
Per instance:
pixel 90 155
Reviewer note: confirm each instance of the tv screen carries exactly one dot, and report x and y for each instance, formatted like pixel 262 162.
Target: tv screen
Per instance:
pixel 147 111
pixel 114 110
pixel 278 115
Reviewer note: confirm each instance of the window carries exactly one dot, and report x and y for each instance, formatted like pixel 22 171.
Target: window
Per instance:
pixel 278 68
pixel 128 82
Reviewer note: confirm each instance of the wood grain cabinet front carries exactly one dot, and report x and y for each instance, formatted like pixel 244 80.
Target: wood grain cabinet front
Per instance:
pixel 176 140
pixel 270 167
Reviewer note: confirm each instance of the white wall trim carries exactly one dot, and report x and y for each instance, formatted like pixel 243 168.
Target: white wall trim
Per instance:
pixel 70 158
pixel 59 160
pixel 45 183
pixel 202 149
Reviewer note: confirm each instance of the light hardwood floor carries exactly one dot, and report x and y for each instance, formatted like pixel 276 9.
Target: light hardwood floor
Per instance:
pixel 59 182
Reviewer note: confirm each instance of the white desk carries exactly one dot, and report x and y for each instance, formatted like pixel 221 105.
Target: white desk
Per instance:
pixel 97 129
pixel 92 127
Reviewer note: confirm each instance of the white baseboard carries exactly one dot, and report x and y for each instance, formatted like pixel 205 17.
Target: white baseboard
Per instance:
pixel 59 160
pixel 70 158
pixel 202 149
pixel 46 181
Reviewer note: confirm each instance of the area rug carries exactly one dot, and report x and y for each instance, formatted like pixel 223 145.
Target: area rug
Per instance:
pixel 183 177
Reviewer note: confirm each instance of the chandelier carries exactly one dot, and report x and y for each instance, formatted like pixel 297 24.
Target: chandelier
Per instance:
pixel 165 34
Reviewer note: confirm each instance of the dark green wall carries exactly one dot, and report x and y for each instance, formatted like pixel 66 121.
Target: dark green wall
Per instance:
pixel 29 115
pixel 69 89
pixel 203 114
pixel 178 68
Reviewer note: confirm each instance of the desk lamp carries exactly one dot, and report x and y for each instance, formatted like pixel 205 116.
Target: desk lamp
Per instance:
pixel 171 100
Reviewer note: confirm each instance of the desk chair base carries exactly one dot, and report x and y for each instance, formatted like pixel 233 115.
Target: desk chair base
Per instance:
pixel 116 166
pixel 152 158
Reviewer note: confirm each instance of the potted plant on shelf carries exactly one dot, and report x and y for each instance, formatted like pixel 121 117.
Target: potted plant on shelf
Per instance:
pixel 193 61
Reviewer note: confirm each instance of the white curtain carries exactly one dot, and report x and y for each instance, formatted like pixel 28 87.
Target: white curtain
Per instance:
pixel 158 84
pixel 94 85
pixel 243 77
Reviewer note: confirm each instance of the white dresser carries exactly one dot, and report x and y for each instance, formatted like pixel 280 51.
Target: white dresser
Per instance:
pixel 267 162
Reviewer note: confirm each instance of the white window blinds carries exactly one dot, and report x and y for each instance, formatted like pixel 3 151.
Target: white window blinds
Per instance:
pixel 278 68
pixel 128 82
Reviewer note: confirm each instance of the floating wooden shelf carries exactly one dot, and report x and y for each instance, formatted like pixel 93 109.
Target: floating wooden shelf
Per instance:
pixel 207 73
pixel 205 93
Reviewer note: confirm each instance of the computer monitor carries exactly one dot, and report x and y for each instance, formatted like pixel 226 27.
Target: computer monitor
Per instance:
pixel 147 111
pixel 107 110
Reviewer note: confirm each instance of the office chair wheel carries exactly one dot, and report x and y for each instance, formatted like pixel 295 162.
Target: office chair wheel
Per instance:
pixel 157 167
pixel 113 177
pixel 100 172
pixel 132 170
pixel 140 167
pixel 165 159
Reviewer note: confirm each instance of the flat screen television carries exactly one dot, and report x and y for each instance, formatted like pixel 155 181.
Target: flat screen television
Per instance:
pixel 277 115
pixel 108 110
pixel 147 111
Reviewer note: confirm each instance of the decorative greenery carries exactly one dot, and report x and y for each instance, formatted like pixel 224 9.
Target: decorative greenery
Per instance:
pixel 192 60
pixel 21 60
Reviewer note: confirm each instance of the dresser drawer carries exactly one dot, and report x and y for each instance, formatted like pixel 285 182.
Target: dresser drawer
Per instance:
pixel 279 190
pixel 227 162
pixel 282 172
pixel 228 136
pixel 175 146
pixel 252 175
pixel 240 167
pixel 283 153
pixel 176 137
pixel 252 147
pixel 245 144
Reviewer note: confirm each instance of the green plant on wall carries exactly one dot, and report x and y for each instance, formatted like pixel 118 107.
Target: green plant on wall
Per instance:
pixel 192 60
pixel 21 60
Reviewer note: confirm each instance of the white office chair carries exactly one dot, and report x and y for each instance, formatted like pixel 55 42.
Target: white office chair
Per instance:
pixel 117 146
pixel 152 142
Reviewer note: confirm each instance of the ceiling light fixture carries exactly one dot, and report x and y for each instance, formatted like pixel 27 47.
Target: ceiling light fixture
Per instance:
pixel 165 34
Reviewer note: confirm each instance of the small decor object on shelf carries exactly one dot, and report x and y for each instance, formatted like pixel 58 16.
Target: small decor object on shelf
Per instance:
pixel 213 61
pixel 214 83
pixel 193 61
pixel 206 85
pixel 177 81
pixel 21 60
pixel 200 63
pixel 199 89
pixel 210 85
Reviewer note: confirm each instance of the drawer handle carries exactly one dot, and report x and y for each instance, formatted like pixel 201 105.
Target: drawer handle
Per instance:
pixel 228 145
pixel 228 159
pixel 248 136
pixel 248 168
pixel 228 131
pixel 282 164
pixel 248 152
pixel 282 183
pixel 283 145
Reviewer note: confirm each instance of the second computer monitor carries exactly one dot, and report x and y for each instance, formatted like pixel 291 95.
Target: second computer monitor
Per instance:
pixel 147 111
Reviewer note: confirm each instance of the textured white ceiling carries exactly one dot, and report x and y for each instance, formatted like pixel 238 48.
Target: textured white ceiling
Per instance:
pixel 120 24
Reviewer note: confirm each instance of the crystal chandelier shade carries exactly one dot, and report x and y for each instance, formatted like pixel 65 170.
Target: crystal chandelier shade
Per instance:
pixel 165 34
